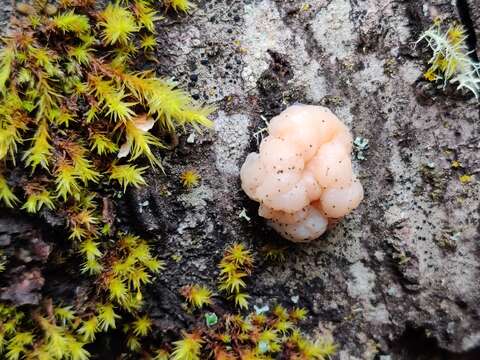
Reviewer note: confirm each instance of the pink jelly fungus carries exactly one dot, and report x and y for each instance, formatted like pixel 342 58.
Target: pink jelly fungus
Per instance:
pixel 302 176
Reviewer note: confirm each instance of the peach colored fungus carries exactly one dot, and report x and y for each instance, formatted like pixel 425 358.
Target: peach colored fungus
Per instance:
pixel 302 176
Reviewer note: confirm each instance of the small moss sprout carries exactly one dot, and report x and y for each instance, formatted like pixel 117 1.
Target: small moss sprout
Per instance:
pixel 190 178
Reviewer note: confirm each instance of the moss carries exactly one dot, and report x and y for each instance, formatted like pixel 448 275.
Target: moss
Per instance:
pixel 49 332
pixel 257 335
pixel 3 263
pixel 190 178
pixel 72 105
pixel 76 116
pixel 197 296
pixel 236 265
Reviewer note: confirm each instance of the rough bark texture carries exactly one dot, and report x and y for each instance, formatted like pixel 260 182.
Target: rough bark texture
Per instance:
pixel 399 276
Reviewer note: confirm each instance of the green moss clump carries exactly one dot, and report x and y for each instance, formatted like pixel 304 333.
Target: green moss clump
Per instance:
pixel 46 333
pixel 75 117
pixel 259 335
pixel 74 113
pixel 253 337
pixel 72 109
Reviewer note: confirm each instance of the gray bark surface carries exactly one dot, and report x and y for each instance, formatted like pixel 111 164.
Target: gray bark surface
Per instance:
pixel 403 269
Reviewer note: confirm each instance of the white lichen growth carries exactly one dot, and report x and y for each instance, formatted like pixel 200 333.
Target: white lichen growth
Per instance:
pixel 451 61
pixel 3 262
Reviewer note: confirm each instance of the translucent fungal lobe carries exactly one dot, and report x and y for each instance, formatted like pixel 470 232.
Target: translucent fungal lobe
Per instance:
pixel 302 176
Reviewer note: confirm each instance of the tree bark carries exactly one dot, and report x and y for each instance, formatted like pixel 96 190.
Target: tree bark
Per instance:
pixel 402 270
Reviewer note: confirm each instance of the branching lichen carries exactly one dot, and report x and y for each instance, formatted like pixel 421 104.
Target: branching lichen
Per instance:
pixel 451 61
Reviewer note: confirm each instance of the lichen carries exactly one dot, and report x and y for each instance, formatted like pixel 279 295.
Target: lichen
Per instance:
pixel 451 61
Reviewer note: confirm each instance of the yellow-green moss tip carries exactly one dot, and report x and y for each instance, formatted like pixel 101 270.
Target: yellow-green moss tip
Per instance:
pixel 197 295
pixel 235 266
pixel 43 85
pixel 179 5
pixel 190 178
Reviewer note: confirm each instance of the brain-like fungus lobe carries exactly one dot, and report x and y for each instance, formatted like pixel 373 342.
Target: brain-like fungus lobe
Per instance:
pixel 302 176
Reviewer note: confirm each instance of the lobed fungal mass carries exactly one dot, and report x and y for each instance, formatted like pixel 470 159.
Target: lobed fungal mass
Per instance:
pixel 302 176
